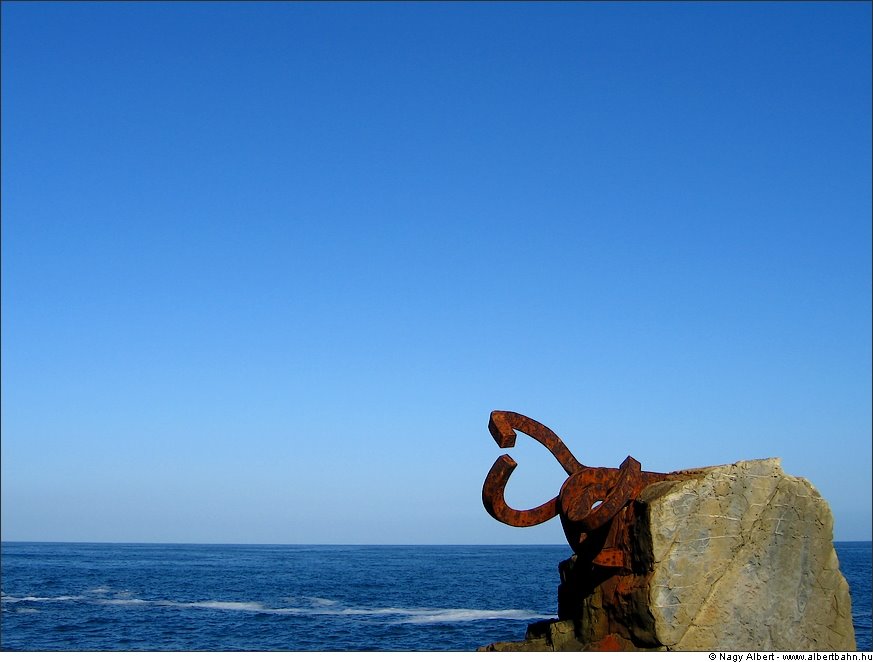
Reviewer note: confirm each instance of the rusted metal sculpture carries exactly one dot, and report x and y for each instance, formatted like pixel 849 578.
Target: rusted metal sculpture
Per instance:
pixel 594 504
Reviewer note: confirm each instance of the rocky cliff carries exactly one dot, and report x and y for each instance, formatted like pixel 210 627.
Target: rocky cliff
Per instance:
pixel 734 557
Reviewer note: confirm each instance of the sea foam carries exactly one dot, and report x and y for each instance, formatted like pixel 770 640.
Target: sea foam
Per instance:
pixel 317 607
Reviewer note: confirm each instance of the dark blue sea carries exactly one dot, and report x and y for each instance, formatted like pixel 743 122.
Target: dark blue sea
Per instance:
pixel 138 597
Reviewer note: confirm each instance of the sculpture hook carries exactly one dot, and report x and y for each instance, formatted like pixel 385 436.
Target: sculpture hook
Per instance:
pixel 502 425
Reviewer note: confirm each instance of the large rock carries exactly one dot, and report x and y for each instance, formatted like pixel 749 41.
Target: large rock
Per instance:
pixel 734 557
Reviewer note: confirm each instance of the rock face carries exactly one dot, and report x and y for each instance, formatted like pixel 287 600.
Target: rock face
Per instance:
pixel 734 557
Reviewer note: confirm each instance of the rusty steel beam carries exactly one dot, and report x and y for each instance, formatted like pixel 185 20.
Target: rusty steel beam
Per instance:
pixel 592 503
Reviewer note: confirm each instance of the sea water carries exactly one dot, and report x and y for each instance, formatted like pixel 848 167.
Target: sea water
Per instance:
pixel 140 597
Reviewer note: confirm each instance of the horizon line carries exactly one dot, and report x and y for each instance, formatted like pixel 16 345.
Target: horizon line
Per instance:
pixel 305 544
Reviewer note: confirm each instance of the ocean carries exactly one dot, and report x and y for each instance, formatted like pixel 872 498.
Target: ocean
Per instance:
pixel 150 597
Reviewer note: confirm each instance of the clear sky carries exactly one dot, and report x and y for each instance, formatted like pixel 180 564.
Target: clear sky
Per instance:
pixel 267 268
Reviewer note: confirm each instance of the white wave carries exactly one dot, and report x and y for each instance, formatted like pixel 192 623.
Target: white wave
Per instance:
pixel 318 607
pixel 32 598
pixel 27 610
pixel 421 615
pixel 465 615
pixel 205 604
pixel 224 605
pixel 122 601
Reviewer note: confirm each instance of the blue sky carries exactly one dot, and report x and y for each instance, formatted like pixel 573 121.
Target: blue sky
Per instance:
pixel 267 268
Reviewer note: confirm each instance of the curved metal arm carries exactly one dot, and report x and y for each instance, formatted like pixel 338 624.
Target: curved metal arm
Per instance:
pixel 614 488
pixel 502 425
pixel 495 504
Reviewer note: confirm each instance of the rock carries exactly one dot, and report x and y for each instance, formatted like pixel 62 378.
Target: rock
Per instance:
pixel 734 557
pixel 542 636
